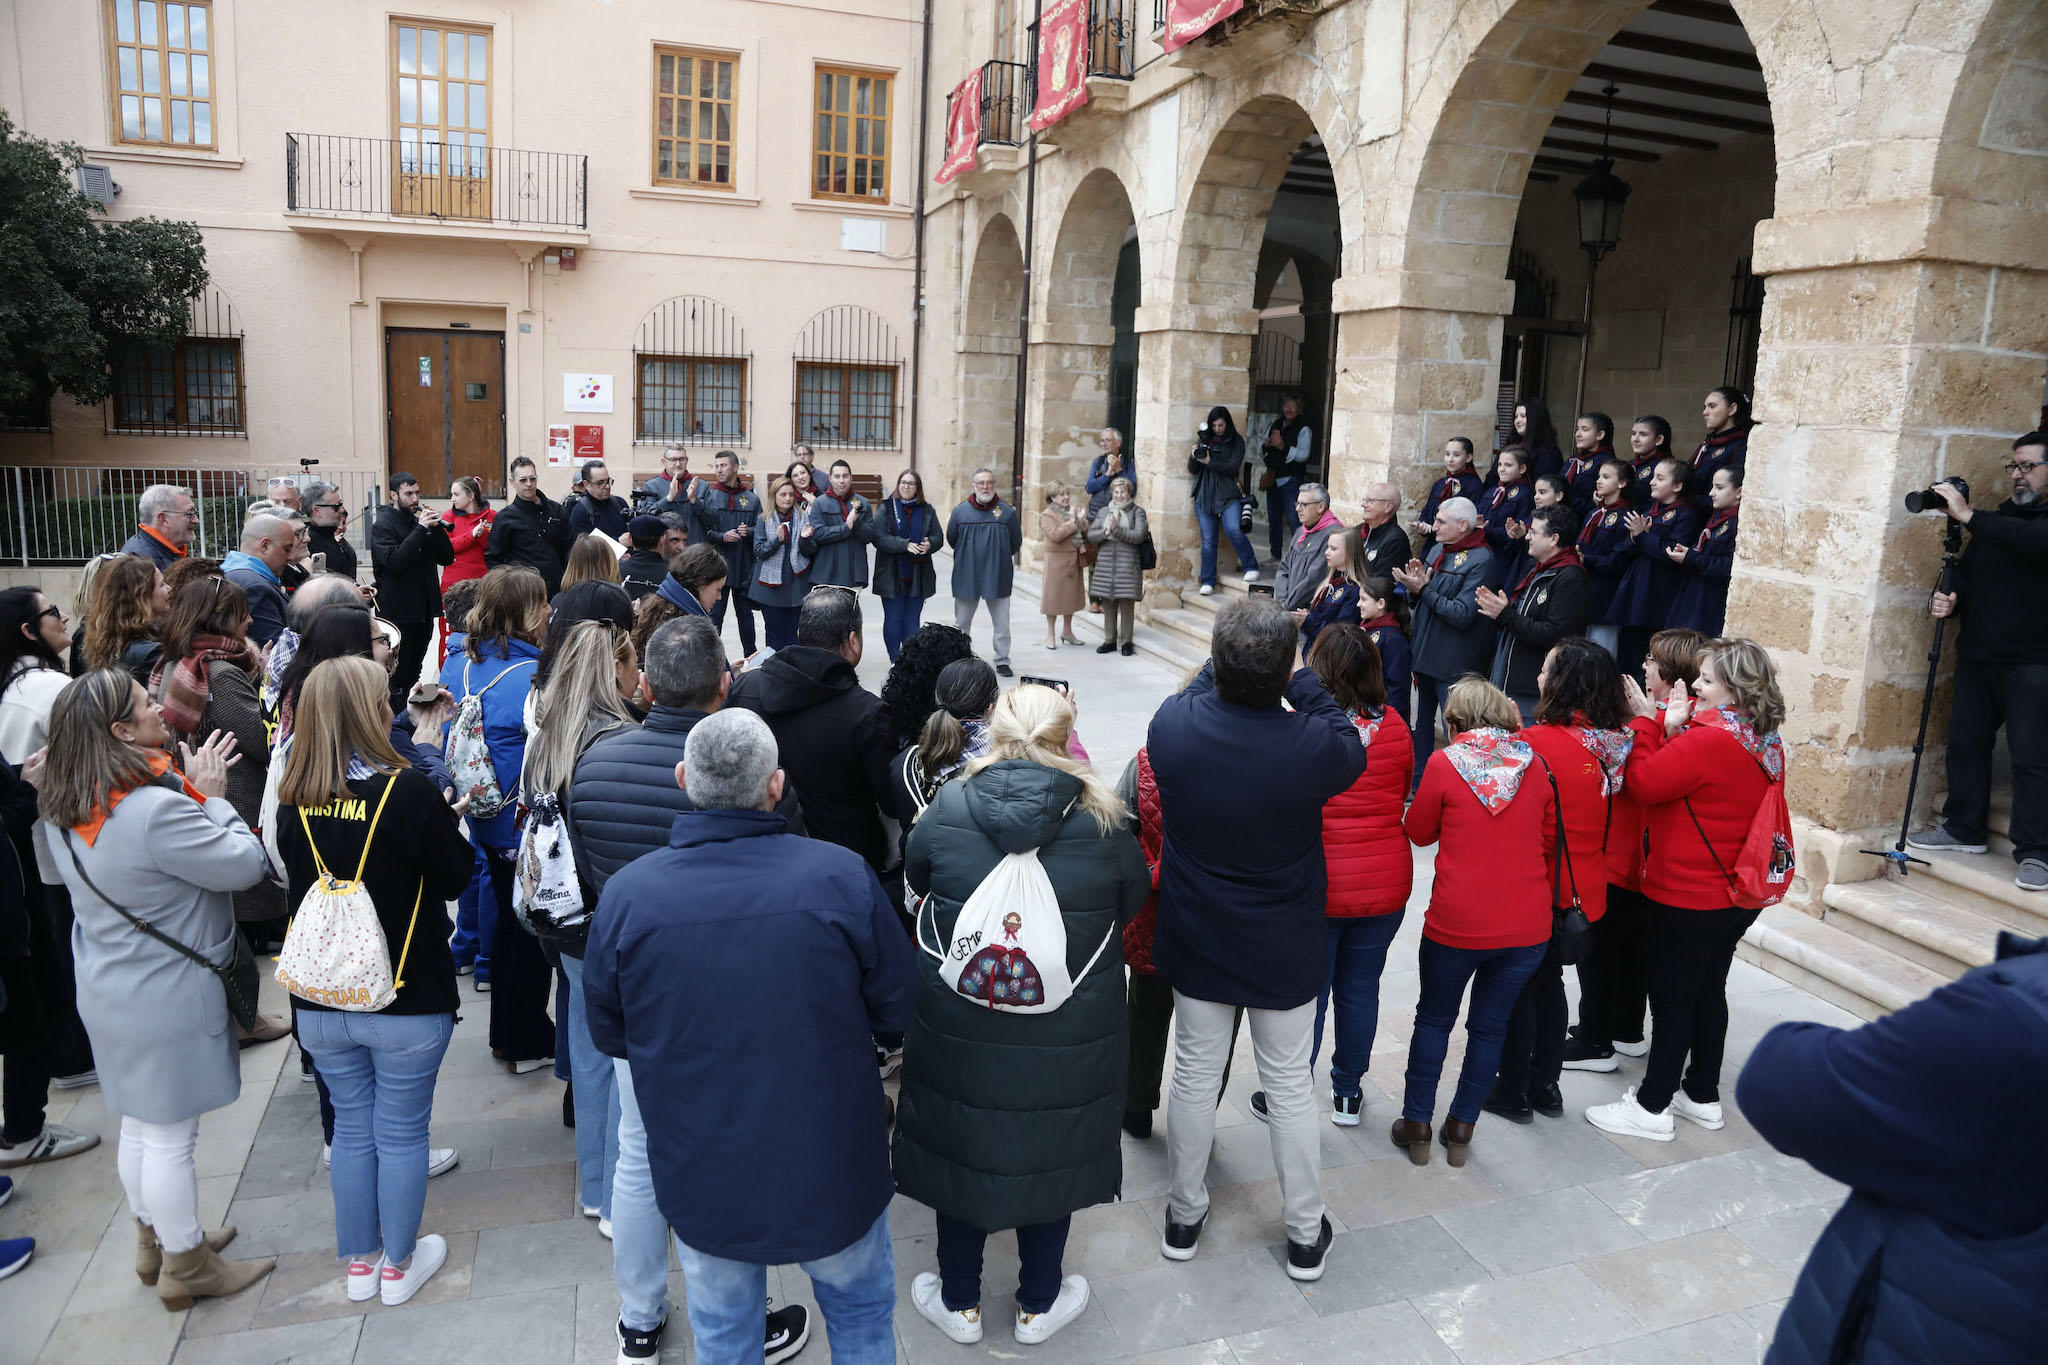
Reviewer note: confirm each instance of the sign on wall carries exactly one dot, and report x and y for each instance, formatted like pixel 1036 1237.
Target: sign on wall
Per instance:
pixel 1187 20
pixel 586 393
pixel 963 127
pixel 1062 62
pixel 589 442
pixel 561 445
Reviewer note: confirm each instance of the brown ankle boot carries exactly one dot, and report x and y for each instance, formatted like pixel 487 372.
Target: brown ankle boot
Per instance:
pixel 1415 1137
pixel 1457 1137
pixel 201 1274
pixel 149 1256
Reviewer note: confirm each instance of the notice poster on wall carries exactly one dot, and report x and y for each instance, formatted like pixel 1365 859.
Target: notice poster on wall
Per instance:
pixel 561 449
pixel 1187 20
pixel 963 127
pixel 589 442
pixel 586 393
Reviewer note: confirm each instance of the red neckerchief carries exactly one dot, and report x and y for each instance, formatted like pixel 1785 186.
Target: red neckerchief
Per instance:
pixel 1579 464
pixel 1713 444
pixel 1564 558
pixel 1501 490
pixel 1470 542
pixel 1596 517
pixel 1718 520
pixel 1380 622
pixel 1335 581
pixel 177 550
pixel 1767 750
pixel 159 764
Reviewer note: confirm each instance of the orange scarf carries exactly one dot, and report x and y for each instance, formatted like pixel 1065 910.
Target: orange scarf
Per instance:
pixel 159 764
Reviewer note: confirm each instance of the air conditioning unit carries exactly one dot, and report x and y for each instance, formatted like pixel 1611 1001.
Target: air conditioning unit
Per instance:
pixel 97 184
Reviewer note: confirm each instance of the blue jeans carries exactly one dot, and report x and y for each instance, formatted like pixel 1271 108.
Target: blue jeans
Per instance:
pixel 780 625
pixel 380 1069
pixel 476 918
pixel 1430 696
pixel 1282 518
pixel 901 616
pixel 639 1232
pixel 597 1103
pixel 1358 954
pixel 856 1291
pixel 1497 976
pixel 1210 523
pixel 562 998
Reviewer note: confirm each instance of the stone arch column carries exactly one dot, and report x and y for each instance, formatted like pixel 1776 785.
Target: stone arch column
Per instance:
pixel 987 347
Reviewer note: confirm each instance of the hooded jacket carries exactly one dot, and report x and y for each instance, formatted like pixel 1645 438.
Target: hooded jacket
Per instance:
pixel 833 741
pixel 1010 1120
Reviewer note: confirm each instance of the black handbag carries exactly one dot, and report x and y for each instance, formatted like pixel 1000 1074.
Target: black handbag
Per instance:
pixel 1148 553
pixel 238 978
pixel 1570 932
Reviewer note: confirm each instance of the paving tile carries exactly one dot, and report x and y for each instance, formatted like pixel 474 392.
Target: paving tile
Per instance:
pixel 279 1224
pixel 1381 1264
pixel 307 1343
pixel 135 1336
pixel 530 1140
pixel 1673 1201
pixel 513 1329
pixel 1086 1339
pixel 1145 1165
pixel 1199 1300
pixel 289 1165
pixel 1711 1341
pixel 470 1201
pixel 1786 1177
pixel 528 1256
pixel 1245 1153
pixel 1519 1159
pixel 1375 1192
pixel 1688 1278
pixel 1196 1353
pixel 311 1286
pixel 908 1218
pixel 1764 1317
pixel 1391 1334
pixel 37 1296
pixel 1784 1239
pixel 1529 1318
pixel 109 1283
pixel 66 1205
pixel 1515 1236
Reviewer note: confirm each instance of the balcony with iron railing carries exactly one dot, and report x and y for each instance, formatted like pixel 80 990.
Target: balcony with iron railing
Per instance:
pixel 1259 30
pixel 1005 127
pixel 434 187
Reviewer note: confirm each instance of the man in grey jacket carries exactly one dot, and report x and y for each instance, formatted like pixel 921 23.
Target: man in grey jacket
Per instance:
pixel 1302 569
pixel 1452 638
pixel 986 535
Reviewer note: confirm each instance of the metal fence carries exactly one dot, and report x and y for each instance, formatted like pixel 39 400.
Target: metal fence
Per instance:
pixel 66 514
pixel 1113 37
pixel 452 181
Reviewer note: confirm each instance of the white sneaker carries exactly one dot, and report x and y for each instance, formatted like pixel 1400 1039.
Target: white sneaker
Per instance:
pixel 441 1160
pixel 1208 590
pixel 1637 1049
pixel 587 1210
pixel 362 1279
pixel 531 1065
pixel 1251 575
pixel 1626 1118
pixel 1033 1328
pixel 327 1156
pixel 963 1327
pixel 78 1082
pixel 54 1143
pixel 1705 1115
pixel 427 1257
pixel 604 1228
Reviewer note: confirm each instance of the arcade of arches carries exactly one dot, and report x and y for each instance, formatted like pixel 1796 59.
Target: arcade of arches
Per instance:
pixel 1840 202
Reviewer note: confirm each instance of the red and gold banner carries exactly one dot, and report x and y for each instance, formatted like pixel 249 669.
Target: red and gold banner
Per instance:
pixel 1062 62
pixel 963 127
pixel 1187 20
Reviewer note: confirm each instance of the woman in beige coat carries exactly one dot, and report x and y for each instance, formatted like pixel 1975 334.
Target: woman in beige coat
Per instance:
pixel 1064 530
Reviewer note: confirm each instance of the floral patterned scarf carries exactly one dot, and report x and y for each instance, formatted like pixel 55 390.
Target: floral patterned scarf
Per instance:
pixel 1492 763
pixel 1767 750
pixel 1610 749
pixel 1368 723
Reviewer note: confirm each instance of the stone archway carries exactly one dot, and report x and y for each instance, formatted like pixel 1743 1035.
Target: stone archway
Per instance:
pixel 986 426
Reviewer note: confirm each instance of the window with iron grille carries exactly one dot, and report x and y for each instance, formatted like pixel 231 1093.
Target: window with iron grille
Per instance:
pixel 846 381
pixel 28 414
pixel 693 118
pixel 162 57
pixel 194 385
pixel 691 401
pixel 850 142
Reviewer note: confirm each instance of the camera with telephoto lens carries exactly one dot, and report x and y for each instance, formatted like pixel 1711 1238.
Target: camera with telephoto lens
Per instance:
pixel 1930 499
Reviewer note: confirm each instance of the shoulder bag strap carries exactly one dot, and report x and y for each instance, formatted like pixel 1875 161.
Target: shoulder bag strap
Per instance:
pixel 144 925
pixel 1718 866
pixel 1564 850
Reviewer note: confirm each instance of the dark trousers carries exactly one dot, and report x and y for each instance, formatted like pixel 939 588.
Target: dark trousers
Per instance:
pixel 780 623
pixel 1040 1250
pixel 1988 696
pixel 901 616
pixel 1430 695
pixel 413 639
pixel 25 1077
pixel 1282 518
pixel 70 1049
pixel 1148 1009
pixel 520 979
pixel 1358 958
pixel 1532 1052
pixel 1689 955
pixel 746 610
pixel 1497 976
pixel 1613 980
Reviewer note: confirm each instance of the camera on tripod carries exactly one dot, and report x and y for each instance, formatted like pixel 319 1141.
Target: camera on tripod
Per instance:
pixel 1930 499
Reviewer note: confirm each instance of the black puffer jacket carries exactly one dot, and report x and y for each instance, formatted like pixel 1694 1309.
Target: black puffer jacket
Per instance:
pixel 834 745
pixel 1010 1120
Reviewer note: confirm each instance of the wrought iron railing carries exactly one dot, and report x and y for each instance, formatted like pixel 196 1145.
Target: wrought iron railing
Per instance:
pixel 1003 111
pixel 455 181
pixel 1113 37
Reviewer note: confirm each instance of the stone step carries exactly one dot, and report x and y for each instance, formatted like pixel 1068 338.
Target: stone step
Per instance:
pixel 1179 649
pixel 1983 884
pixel 1840 968
pixel 1908 921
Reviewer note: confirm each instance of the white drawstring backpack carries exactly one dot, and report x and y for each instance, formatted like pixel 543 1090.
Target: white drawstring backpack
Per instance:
pixel 335 953
pixel 1009 948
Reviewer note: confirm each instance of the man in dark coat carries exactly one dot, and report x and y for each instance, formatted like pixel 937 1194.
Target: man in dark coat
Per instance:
pixel 843 526
pixel 673 489
pixel 1450 637
pixel 986 534
pixel 531 529
pixel 727 512
pixel 1242 890
pixel 408 546
pixel 763 983
pixel 1551 601
pixel 1935 1256
pixel 833 738
pixel 168 518
pixel 598 510
pixel 1387 546
pixel 649 544
pixel 325 513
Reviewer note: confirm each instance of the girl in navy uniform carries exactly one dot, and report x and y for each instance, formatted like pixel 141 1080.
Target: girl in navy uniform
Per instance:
pixel 1460 480
pixel 1702 600
pixel 1592 442
pixel 1510 502
pixel 1548 491
pixel 1643 601
pixel 1727 416
pixel 1649 440
pixel 1383 616
pixel 1536 433
pixel 1605 548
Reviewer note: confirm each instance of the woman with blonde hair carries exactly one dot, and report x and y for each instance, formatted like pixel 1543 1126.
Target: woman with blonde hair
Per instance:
pixel 139 841
pixel 1120 529
pixel 1011 1120
pixel 1064 529
pixel 590 559
pixel 129 603
pixel 348 804
pixel 782 562
pixel 1702 770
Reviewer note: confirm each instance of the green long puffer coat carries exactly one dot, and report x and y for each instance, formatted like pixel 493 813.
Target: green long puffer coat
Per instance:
pixel 1011 1120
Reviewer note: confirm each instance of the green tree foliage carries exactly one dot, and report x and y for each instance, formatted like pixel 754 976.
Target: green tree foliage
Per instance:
pixel 73 287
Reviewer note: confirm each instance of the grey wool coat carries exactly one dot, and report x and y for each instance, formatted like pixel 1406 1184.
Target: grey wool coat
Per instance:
pixel 1117 575
pixel 985 543
pixel 162 1038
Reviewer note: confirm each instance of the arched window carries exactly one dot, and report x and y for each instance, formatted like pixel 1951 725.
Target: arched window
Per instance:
pixel 192 387
pixel 847 373
pixel 690 374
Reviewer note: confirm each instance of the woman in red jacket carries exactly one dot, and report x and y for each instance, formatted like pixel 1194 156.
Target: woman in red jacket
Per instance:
pixel 1580 736
pixel 1489 912
pixel 1701 773
pixel 469 521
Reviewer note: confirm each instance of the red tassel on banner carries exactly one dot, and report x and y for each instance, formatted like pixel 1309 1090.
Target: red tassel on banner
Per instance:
pixel 963 127
pixel 1187 20
pixel 1062 62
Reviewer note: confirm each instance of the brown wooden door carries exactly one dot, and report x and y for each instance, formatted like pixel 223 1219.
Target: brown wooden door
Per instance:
pixel 446 412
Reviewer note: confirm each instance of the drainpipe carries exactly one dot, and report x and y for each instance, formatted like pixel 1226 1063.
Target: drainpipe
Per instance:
pixel 1030 224
pixel 924 113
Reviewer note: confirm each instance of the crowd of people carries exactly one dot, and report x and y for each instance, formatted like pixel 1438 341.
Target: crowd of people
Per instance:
pixel 696 887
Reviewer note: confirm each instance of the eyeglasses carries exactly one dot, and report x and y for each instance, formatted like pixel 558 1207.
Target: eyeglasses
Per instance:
pixel 598 483
pixel 57 612
pixel 829 587
pixel 2024 466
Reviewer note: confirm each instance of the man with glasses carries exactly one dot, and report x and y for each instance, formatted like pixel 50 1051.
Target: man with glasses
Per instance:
pixel 1302 569
pixel 408 546
pixel 2000 590
pixel 530 530
pixel 169 518
pixel 327 521
pixel 283 491
pixel 672 490
pixel 1387 546
pixel 599 510
pixel 726 514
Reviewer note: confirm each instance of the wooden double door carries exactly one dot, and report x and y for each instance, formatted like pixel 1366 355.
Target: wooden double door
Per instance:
pixel 445 410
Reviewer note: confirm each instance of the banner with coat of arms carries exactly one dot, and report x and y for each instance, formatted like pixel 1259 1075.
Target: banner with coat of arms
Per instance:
pixel 1062 62
pixel 963 127
pixel 1187 20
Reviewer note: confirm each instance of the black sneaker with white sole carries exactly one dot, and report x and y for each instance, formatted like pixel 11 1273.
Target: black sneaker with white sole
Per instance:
pixel 789 1330
pixel 1305 1262
pixel 1259 1107
pixel 1344 1110
pixel 635 1347
pixel 1179 1240
pixel 1580 1055
pixel 888 1060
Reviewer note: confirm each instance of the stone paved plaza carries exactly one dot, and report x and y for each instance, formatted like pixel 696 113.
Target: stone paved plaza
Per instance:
pixel 1556 1242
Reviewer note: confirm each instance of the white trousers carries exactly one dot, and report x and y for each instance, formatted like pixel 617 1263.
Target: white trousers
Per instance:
pixel 161 1182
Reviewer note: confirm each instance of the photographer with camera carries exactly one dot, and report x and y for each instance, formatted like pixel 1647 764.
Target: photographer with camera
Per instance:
pixel 1214 463
pixel 1999 590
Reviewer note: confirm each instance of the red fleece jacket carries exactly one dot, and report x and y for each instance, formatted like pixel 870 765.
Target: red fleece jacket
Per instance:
pixel 1493 872
pixel 1710 768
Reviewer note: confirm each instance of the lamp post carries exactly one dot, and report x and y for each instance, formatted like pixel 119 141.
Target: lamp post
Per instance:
pixel 1601 196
